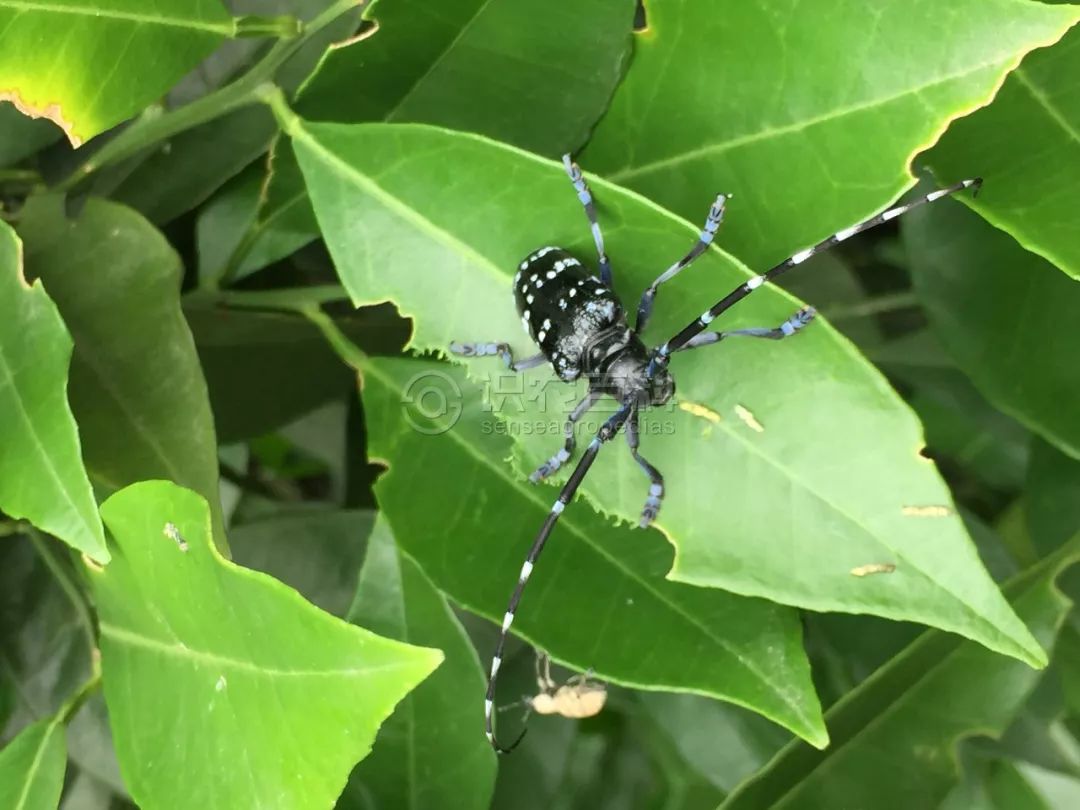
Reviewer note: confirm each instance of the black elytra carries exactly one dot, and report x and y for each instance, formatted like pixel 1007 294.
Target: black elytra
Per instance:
pixel 581 329
pixel 580 326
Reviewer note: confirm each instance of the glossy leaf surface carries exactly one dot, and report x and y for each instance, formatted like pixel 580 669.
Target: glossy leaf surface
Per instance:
pixel 89 64
pixel 42 477
pixel 1026 144
pixel 459 64
pixel 232 666
pixel 772 489
pixel 810 112
pixel 137 390
pixel 598 598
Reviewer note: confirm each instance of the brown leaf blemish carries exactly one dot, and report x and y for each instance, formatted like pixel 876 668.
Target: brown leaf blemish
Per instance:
pixel 51 111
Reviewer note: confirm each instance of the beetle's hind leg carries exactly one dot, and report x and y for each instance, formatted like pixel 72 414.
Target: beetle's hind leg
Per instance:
pixel 496 349
pixel 569 442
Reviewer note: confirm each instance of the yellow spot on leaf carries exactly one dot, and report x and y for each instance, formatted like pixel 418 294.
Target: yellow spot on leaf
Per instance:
pixel 932 511
pixel 749 419
pixel 692 408
pixel 873 568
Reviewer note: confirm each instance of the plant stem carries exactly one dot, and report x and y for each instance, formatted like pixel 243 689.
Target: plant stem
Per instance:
pixel 244 91
pixel 874 306
pixel 291 299
pixel 348 351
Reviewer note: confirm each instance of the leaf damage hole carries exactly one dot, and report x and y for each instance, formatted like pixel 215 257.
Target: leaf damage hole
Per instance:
pixel 173 534
pixel 53 112
pixel 872 568
pixel 928 511
pixel 701 411
pixel 749 419
pixel 641 18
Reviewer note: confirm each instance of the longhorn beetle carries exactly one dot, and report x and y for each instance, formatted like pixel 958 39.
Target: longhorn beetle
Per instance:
pixel 581 328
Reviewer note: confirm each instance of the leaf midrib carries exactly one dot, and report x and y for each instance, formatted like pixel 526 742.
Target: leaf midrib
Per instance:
pixel 36 764
pixel 797 126
pixel 46 457
pixel 184 652
pixel 227 29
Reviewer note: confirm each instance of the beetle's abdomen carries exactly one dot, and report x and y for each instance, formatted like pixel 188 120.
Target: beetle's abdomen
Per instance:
pixel 562 306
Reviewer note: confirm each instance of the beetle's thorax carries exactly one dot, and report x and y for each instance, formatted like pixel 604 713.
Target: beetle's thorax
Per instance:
pixel 616 363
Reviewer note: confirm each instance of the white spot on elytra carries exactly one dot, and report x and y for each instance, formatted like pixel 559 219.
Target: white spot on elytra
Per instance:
pixel 755 282
pixel 802 256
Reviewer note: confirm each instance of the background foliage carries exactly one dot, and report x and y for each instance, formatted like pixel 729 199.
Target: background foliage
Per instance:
pixel 244 566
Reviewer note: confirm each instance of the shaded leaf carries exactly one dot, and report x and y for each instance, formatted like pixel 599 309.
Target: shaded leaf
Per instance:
pixel 32 767
pixel 432 751
pixel 894 736
pixel 793 493
pixel 46 640
pixel 21 136
pixel 808 112
pixel 1001 313
pixel 1053 497
pixel 316 551
pixel 42 477
pixel 460 64
pixel 1027 146
pixel 136 388
pixel 89 64
pixel 725 744
pixel 196 162
pixel 637 629
pixel 197 651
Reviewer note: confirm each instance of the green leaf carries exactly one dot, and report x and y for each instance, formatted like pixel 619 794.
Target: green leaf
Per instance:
pixel 636 628
pixel 42 477
pixel 46 632
pixel 263 369
pixel 258 699
pixel 432 750
pixel 1053 497
pixel 32 767
pixel 809 113
pixel 227 226
pixel 1002 313
pixel 723 743
pixel 768 447
pixel 1026 145
pixel 463 67
pixel 894 736
pixel 89 64
pixel 136 388
pixel 962 426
